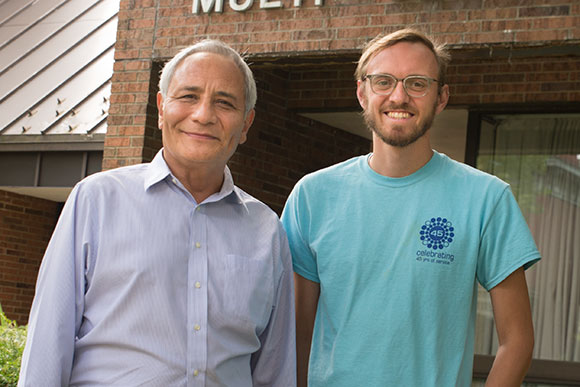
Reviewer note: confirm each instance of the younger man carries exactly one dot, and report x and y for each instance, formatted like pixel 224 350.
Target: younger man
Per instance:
pixel 388 247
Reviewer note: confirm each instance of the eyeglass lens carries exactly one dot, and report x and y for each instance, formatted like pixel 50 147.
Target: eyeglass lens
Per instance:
pixel 416 86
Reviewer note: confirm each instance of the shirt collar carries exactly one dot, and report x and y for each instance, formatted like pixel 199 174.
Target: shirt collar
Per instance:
pixel 158 171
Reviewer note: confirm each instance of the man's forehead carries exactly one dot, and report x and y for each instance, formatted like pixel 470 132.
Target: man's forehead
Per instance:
pixel 411 54
pixel 199 70
pixel 208 61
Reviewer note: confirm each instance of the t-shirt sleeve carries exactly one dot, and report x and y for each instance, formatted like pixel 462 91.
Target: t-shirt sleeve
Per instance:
pixel 295 221
pixel 507 243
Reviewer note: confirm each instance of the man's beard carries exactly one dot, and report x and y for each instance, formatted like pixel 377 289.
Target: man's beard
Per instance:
pixel 398 141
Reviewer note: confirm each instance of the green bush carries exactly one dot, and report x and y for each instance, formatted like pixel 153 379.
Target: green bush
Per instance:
pixel 12 340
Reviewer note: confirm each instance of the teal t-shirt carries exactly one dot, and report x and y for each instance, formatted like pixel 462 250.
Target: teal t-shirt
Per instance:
pixel 398 261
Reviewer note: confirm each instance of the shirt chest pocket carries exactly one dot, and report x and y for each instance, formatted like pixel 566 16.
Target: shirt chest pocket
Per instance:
pixel 241 290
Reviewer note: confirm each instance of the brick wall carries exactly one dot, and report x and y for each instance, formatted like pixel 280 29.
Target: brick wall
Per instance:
pixel 152 30
pixel 283 146
pixel 26 225
pixel 474 81
pixel 547 79
pixel 323 86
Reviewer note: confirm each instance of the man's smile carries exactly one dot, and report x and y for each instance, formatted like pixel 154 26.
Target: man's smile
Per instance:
pixel 203 136
pixel 399 114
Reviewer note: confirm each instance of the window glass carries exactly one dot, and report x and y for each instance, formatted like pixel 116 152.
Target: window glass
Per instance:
pixel 539 156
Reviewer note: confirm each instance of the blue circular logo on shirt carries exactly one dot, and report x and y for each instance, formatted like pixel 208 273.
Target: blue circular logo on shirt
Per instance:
pixel 437 233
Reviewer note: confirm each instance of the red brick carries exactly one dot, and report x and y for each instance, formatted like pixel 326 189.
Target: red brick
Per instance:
pixel 456 27
pixel 493 13
pixel 258 26
pixel 544 11
pixel 489 37
pixel 541 35
pixel 22 251
pixel 501 25
pixel 358 32
pixel 129 152
pixel 352 21
pixel 545 97
pixel 556 23
pixel 117 141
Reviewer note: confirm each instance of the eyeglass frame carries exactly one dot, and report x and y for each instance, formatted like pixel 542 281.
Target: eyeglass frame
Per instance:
pixel 402 80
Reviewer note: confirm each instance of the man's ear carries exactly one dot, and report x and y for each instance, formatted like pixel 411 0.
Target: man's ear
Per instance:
pixel 160 110
pixel 248 120
pixel 442 99
pixel 361 94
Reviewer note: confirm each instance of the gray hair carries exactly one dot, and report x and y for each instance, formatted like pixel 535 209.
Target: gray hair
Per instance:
pixel 214 47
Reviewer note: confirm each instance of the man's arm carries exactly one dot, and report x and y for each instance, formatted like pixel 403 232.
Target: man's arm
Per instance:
pixel 306 294
pixel 274 365
pixel 48 355
pixel 513 320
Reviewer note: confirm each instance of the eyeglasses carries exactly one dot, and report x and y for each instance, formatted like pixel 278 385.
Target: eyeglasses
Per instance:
pixel 414 85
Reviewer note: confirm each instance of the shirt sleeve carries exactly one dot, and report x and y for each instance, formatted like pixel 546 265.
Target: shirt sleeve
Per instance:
pixel 295 220
pixel 58 303
pixel 507 243
pixel 274 365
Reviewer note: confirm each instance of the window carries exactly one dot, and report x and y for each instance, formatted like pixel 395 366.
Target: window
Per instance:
pixel 539 156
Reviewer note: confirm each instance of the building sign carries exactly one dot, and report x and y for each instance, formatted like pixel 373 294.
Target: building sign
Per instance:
pixel 207 6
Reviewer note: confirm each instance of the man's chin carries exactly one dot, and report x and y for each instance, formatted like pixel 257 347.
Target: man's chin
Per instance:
pixel 399 141
pixel 399 135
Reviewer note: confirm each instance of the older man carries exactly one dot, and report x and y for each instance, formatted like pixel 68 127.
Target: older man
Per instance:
pixel 166 274
pixel 388 247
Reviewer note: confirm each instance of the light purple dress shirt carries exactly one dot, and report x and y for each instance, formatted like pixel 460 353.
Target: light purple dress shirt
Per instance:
pixel 142 286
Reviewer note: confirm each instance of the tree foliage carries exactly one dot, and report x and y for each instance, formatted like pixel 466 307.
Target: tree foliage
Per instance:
pixel 12 340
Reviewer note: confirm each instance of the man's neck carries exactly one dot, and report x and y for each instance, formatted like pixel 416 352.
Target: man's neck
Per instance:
pixel 201 184
pixel 201 180
pixel 392 161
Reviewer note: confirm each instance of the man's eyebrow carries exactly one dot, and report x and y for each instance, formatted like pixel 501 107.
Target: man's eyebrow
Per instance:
pixel 189 88
pixel 220 93
pixel 227 95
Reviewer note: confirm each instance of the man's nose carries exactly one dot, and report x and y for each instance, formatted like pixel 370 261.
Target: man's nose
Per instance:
pixel 399 93
pixel 204 112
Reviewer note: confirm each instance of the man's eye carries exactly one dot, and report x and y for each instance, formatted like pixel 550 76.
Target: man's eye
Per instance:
pixel 188 96
pixel 384 82
pixel 418 83
pixel 225 103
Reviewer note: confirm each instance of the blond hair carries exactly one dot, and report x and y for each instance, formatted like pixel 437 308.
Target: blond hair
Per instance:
pixel 411 35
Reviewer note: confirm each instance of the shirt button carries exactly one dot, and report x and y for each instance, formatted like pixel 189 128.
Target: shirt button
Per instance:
pixel 196 327
pixel 197 244
pixel 198 285
pixel 195 372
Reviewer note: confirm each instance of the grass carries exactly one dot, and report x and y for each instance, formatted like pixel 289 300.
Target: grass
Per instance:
pixel 12 340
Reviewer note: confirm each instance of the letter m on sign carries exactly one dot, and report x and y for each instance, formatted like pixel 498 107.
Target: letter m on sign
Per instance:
pixel 206 6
